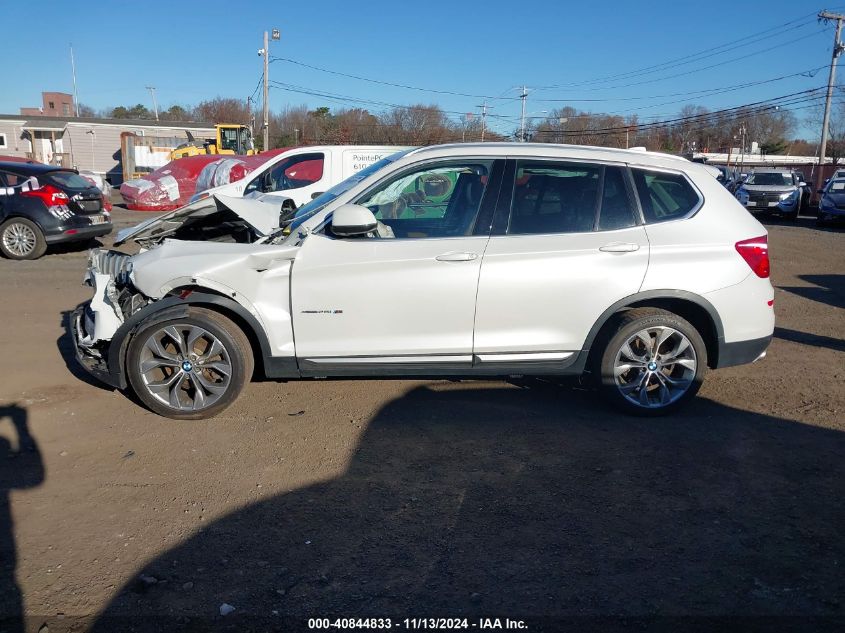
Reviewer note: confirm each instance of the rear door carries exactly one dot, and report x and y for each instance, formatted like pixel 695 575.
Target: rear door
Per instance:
pixel 568 243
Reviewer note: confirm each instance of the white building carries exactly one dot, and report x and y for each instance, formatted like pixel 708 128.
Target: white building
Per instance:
pixel 86 144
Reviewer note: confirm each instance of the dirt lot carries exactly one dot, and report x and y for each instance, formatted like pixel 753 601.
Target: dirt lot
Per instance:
pixel 407 499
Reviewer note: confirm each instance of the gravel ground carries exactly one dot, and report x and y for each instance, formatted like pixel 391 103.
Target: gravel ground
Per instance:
pixel 403 499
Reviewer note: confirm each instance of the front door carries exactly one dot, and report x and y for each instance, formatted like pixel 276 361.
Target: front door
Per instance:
pixel 406 299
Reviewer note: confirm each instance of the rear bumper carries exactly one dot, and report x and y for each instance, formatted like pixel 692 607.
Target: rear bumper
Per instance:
pixel 742 352
pixel 81 232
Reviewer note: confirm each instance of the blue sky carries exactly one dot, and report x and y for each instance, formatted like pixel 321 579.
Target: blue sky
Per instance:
pixel 601 56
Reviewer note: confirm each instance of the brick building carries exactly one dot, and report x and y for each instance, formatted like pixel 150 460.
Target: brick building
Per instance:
pixel 53 104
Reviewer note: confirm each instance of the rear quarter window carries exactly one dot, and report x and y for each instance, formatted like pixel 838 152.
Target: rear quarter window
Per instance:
pixel 664 196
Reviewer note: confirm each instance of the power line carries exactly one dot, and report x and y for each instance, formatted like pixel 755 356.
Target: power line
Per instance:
pixel 703 68
pixel 704 54
pixel 810 72
pixel 346 99
pixel 257 86
pixel 384 83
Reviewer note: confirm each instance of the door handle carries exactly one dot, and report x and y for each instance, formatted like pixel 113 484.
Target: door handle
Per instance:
pixel 456 257
pixel 619 247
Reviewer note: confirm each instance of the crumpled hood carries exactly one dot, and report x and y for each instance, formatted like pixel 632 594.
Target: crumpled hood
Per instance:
pixel 261 213
pixel 176 263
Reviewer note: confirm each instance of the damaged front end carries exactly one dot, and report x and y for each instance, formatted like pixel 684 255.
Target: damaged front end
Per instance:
pixel 94 324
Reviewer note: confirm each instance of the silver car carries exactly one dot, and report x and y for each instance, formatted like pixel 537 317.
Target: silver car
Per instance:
pixel 771 191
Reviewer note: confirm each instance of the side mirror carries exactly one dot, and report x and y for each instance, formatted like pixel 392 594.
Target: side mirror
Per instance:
pixel 802 184
pixel 819 190
pixel 351 220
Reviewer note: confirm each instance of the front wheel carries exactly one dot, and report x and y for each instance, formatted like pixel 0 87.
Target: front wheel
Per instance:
pixel 652 362
pixel 189 368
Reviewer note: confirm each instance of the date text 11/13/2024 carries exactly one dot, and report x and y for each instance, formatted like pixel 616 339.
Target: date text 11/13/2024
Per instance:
pixel 417 623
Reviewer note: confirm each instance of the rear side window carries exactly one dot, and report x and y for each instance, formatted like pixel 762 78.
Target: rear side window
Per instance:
pixel 616 209
pixel 664 196
pixel 553 197
pixel 8 179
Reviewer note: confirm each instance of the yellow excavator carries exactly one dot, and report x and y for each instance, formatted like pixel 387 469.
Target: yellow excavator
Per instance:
pixel 231 139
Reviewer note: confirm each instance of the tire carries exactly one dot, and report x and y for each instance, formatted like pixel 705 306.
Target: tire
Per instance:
pixel 792 217
pixel 21 239
pixel 670 378
pixel 178 368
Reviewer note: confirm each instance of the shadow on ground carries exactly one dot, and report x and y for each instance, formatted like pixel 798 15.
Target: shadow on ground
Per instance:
pixel 827 289
pixel 21 467
pixel 815 340
pixel 65 346
pixel 481 500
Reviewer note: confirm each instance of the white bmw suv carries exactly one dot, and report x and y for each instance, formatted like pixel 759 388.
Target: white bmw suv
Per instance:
pixel 468 260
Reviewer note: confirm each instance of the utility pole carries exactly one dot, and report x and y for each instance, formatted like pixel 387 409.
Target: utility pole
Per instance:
pixel 266 127
pixel 152 90
pixel 73 70
pixel 266 53
pixel 483 107
pixel 523 97
pixel 837 51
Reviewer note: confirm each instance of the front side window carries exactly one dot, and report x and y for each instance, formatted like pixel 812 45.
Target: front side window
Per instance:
pixel 294 172
pixel 438 200
pixel 664 196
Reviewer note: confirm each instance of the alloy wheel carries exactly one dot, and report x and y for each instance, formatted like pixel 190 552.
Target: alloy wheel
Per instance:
pixel 655 367
pixel 19 239
pixel 185 367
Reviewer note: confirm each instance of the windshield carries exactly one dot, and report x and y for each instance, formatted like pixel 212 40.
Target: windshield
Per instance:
pixel 775 179
pixel 309 210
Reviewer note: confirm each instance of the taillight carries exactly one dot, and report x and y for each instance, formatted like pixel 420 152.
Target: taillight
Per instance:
pixel 755 252
pixel 49 195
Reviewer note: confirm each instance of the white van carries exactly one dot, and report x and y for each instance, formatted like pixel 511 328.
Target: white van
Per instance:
pixel 303 173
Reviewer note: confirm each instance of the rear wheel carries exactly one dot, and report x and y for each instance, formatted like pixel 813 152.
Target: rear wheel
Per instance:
pixel 652 362
pixel 22 239
pixel 189 368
